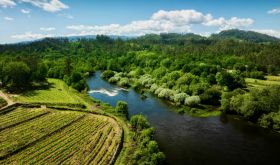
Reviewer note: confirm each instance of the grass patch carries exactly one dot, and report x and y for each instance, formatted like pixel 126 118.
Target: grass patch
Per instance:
pixel 200 112
pixel 57 93
pixel 270 80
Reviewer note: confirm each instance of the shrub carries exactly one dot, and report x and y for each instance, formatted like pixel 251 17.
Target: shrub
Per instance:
pixel 257 75
pixel 107 74
pixel 230 80
pixel 157 91
pixel 114 80
pixel 199 88
pixel 146 81
pixel 192 101
pixel 80 85
pixel 2 102
pixel 211 96
pixel 226 98
pixel 180 98
pixel 271 120
pixel 147 149
pixel 153 88
pixel 139 122
pixel 17 74
pixel 124 82
pixel 254 104
pixel 166 93
pixel 122 107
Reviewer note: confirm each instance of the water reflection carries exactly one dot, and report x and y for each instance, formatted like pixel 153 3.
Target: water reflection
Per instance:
pixel 189 140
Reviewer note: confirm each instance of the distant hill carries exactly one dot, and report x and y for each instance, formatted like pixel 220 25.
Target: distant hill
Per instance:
pixel 169 38
pixel 75 38
pixel 244 35
pixel 172 38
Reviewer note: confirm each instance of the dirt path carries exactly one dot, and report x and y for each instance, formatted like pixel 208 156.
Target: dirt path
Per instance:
pixel 5 97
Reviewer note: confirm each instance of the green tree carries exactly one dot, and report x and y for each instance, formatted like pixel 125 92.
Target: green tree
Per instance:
pixel 122 107
pixel 107 74
pixel 139 122
pixel 17 74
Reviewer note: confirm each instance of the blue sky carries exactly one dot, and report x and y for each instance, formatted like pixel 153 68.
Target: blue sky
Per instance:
pixel 22 20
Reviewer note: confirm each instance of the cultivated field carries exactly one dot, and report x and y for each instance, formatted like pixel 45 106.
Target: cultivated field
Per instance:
pixel 270 80
pixel 58 93
pixel 46 136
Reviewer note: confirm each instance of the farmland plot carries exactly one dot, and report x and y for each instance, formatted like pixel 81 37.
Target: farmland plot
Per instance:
pixel 44 136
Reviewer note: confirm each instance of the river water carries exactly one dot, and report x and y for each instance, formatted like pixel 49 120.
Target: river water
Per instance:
pixel 190 140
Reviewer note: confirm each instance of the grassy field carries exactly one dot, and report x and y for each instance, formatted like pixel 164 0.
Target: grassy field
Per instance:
pixel 45 136
pixel 270 80
pixel 58 93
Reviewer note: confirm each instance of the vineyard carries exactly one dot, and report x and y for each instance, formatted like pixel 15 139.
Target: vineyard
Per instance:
pixel 48 136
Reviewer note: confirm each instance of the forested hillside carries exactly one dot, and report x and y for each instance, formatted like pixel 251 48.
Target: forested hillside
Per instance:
pixel 191 71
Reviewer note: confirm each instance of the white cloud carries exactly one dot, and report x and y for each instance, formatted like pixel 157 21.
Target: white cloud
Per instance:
pixel 48 5
pixel 215 22
pixel 274 11
pixel 181 17
pixel 47 28
pixel 7 3
pixel 235 22
pixel 25 11
pixel 179 21
pixel 231 23
pixel 31 36
pixel 8 18
pixel 275 33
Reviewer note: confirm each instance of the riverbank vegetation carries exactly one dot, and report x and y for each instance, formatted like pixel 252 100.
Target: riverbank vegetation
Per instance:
pixel 260 105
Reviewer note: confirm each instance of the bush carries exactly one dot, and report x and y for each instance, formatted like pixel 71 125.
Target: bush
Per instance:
pixel 180 98
pixel 192 101
pixel 226 98
pixel 157 91
pixel 199 88
pixel 271 120
pixel 17 74
pixel 230 80
pixel 254 104
pixel 257 75
pixel 114 80
pixel 166 93
pixel 146 81
pixel 107 74
pixel 122 107
pixel 147 149
pixel 2 102
pixel 80 85
pixel 139 122
pixel 153 88
pixel 211 96
pixel 124 82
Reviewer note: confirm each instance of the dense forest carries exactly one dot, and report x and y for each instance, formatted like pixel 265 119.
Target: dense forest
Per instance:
pixel 189 70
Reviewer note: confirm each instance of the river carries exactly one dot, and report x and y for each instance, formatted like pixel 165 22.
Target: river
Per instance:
pixel 190 140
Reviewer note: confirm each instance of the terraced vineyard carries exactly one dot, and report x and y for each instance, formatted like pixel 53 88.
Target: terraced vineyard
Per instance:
pixel 46 136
